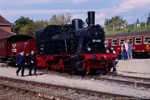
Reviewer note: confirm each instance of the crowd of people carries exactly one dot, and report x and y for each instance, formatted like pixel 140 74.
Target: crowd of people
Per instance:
pixel 126 50
pixel 29 60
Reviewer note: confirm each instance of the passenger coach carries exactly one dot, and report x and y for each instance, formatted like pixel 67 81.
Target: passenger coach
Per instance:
pixel 140 41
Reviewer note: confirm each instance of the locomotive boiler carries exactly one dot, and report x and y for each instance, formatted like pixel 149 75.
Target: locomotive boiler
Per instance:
pixel 74 48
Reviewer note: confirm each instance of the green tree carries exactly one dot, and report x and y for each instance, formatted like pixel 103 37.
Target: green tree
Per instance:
pixel 20 23
pixel 148 19
pixel 116 23
pixel 32 27
pixel 60 19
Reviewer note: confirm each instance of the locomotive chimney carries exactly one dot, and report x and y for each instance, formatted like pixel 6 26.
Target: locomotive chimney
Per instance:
pixel 91 18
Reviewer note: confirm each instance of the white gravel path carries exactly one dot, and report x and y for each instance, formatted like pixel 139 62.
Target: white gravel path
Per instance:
pixel 79 83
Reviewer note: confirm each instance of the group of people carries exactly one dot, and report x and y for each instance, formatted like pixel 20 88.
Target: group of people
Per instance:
pixel 126 50
pixel 22 61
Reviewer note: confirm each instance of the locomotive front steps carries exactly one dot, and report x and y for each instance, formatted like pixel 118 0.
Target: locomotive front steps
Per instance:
pixel 134 66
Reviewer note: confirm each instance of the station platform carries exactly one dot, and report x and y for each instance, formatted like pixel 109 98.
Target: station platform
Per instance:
pixel 134 66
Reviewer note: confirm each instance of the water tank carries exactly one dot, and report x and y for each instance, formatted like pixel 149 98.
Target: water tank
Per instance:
pixel 77 24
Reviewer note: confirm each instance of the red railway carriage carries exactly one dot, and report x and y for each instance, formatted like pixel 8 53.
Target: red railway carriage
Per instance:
pixel 3 49
pixel 140 41
pixel 11 46
pixel 21 42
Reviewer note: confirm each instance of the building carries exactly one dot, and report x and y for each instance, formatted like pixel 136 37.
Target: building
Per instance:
pixel 5 28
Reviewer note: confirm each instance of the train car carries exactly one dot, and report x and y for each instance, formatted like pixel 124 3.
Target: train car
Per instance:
pixel 12 45
pixel 4 35
pixel 140 41
pixel 74 48
pixel 20 42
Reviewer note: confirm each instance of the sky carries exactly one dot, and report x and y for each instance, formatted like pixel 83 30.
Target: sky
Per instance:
pixel 105 9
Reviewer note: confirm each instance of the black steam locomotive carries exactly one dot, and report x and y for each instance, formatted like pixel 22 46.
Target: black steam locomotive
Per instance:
pixel 73 47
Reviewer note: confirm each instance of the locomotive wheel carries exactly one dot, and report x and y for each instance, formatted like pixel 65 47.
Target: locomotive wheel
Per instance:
pixel 109 68
pixel 49 68
pixel 79 66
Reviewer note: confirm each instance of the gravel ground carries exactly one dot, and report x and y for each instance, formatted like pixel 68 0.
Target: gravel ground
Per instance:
pixel 79 83
pixel 52 91
pixel 13 95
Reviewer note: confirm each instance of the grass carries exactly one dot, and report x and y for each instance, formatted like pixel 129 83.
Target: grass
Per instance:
pixel 128 30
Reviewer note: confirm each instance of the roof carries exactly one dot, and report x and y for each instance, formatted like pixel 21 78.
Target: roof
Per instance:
pixel 3 21
pixel 15 38
pixel 5 33
pixel 129 34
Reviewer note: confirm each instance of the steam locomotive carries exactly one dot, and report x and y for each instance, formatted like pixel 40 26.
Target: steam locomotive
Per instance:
pixel 74 48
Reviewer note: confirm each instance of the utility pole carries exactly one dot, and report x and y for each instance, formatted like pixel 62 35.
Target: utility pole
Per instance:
pixel 113 27
pixel 145 24
pixel 134 24
pixel 125 26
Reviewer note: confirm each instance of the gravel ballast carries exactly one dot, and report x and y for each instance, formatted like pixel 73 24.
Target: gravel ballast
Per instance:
pixel 79 83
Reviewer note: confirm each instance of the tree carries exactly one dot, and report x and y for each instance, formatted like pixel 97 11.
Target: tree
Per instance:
pixel 116 22
pixel 32 27
pixel 20 23
pixel 148 19
pixel 60 19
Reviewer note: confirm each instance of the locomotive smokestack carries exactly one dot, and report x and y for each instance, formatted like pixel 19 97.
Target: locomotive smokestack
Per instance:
pixel 91 18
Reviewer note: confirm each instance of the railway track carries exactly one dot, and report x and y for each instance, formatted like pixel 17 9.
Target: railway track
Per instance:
pixel 56 92
pixel 126 80
pixel 116 78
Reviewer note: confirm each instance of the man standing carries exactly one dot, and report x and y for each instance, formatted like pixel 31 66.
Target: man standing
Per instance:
pixel 130 49
pixel 126 48
pixel 32 63
pixel 20 62
pixel 123 51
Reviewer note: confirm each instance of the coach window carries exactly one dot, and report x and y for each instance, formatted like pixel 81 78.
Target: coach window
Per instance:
pixel 114 42
pixel 138 40
pixel 121 41
pixel 146 40
pixel 106 42
pixel 130 40
pixel 2 44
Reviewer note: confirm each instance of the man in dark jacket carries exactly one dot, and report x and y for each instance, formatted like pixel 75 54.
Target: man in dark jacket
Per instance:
pixel 32 63
pixel 20 62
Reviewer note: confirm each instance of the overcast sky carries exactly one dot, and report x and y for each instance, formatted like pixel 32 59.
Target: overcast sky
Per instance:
pixel 44 9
